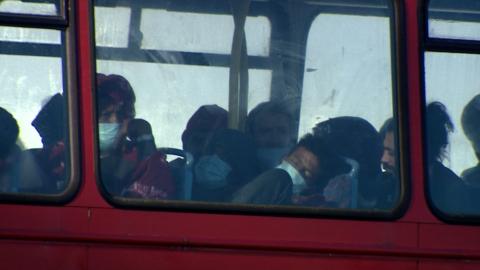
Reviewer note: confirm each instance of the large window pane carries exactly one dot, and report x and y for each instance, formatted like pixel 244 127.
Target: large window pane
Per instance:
pixel 34 112
pixel 180 118
pixel 453 80
pixel 46 7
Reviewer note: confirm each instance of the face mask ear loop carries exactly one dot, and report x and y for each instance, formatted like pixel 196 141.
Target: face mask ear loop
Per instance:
pixel 353 174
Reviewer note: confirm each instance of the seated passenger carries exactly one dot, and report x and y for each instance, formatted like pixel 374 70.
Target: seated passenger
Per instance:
pixel 43 170
pixel 8 151
pixel 471 176
pixel 446 189
pixel 357 142
pixel 130 164
pixel 299 179
pixel 270 125
pixel 389 185
pixel 200 128
pixel 228 163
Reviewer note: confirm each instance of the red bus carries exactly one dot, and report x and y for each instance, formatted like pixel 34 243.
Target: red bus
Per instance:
pixel 336 134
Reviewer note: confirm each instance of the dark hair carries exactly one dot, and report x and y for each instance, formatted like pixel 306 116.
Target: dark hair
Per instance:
pixel 330 163
pixel 50 121
pixel 388 126
pixel 354 138
pixel 115 90
pixel 439 125
pixel 268 107
pixel 8 132
pixel 471 123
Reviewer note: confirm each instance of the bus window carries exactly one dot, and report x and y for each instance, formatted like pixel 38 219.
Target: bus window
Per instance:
pixel 48 7
pixel 35 152
pixel 452 89
pixel 204 102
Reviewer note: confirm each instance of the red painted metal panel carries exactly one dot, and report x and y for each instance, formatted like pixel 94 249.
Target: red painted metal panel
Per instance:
pixel 124 258
pixel 453 238
pixel 41 255
pixel 449 265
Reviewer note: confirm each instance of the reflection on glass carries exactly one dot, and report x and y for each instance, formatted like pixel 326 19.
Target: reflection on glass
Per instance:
pixel 164 107
pixel 112 26
pixel 47 7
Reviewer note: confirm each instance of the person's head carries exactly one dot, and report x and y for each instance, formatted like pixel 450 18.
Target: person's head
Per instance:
pixel 115 99
pixel 315 160
pixel 439 125
pixel 387 135
pixel 356 139
pixel 8 133
pixel 233 153
pixel 270 125
pixel 50 121
pixel 471 123
pixel 115 107
pixel 201 126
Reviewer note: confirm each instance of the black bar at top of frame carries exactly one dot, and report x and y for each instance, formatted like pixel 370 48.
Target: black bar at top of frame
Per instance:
pixel 30 49
pixel 190 58
pixel 33 21
pixel 452 45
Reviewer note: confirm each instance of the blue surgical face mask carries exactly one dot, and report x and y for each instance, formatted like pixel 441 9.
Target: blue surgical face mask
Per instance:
pixel 211 172
pixel 298 181
pixel 271 157
pixel 108 133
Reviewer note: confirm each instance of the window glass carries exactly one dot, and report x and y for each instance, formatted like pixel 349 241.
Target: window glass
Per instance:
pixel 183 116
pixel 452 89
pixel 111 26
pixel 181 31
pixel 46 7
pixel 454 19
pixel 35 149
pixel 452 80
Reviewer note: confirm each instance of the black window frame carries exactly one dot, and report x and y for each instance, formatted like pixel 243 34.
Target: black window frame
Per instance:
pixel 66 24
pixel 400 108
pixel 440 45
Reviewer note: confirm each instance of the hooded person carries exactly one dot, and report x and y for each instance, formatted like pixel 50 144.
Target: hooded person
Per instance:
pixel 228 163
pixel 130 164
pixel 200 128
pixel 43 170
pixel 357 142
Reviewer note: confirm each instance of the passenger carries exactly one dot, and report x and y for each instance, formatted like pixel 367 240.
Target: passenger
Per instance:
pixel 130 164
pixel 357 142
pixel 445 187
pixel 8 150
pixel 270 125
pixel 228 163
pixel 299 179
pixel 471 128
pixel 200 128
pixel 389 181
pixel 43 170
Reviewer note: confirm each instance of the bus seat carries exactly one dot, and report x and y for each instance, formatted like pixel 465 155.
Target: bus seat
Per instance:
pixel 182 171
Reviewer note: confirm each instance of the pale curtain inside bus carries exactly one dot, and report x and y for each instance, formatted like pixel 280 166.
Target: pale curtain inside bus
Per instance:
pixel 209 102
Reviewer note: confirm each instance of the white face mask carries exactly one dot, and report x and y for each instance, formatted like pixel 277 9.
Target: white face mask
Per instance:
pixel 211 172
pixel 107 133
pixel 271 157
pixel 298 181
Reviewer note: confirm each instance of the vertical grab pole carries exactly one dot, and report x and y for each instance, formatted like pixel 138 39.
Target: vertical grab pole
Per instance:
pixel 238 80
